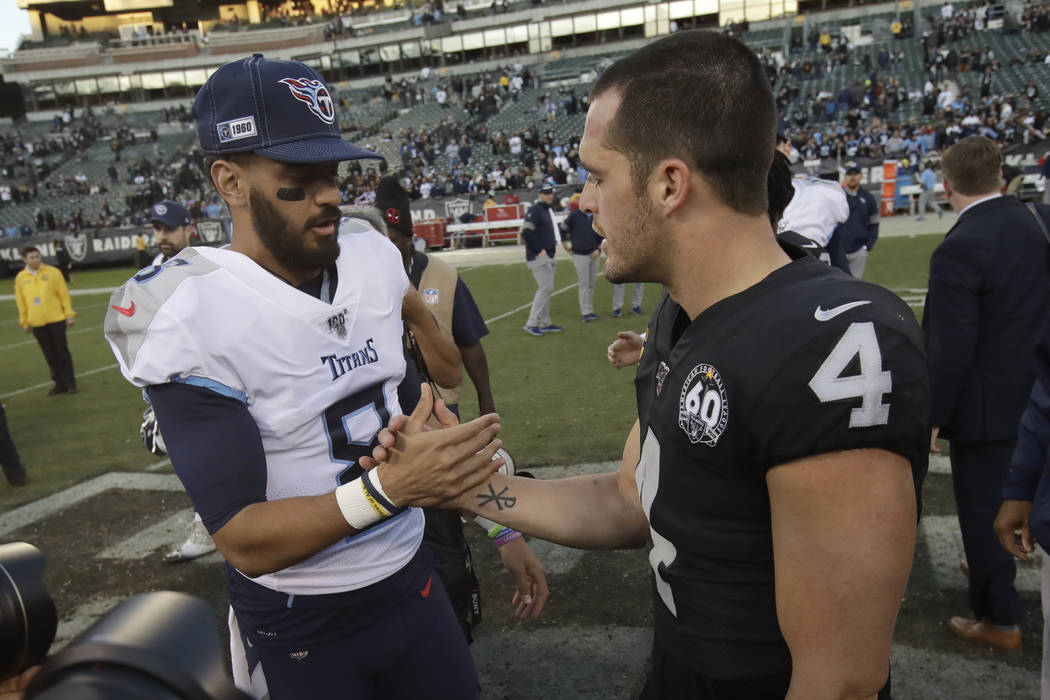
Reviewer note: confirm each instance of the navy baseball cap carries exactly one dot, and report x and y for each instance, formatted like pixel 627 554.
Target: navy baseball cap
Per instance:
pixel 281 110
pixel 545 188
pixel 852 168
pixel 169 213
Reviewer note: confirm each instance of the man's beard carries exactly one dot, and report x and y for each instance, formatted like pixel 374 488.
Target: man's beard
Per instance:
pixel 636 249
pixel 291 248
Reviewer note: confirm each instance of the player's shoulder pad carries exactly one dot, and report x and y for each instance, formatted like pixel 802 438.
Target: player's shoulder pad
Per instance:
pixel 365 229
pixel 134 305
pixel 831 303
pixel 359 219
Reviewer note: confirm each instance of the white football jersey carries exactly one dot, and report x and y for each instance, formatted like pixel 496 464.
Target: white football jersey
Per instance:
pixel 816 209
pixel 319 379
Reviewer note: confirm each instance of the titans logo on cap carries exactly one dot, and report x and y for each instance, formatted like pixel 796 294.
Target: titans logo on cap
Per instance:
pixel 160 210
pixel 315 95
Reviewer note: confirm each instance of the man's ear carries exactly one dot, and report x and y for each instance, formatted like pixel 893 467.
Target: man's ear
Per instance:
pixel 671 185
pixel 231 181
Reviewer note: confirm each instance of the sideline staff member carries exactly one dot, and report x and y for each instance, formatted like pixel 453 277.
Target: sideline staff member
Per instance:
pixel 45 309
pixel 541 235
pixel 988 299
pixel 782 405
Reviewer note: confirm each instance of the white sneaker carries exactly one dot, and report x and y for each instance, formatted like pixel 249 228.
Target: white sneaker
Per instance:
pixel 196 545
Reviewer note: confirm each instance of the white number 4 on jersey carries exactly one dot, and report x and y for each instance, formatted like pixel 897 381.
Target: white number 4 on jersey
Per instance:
pixel 829 384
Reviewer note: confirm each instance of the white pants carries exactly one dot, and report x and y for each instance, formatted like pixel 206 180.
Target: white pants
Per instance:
pixel 926 200
pixel 587 274
pixel 636 295
pixel 542 270
pixel 857 260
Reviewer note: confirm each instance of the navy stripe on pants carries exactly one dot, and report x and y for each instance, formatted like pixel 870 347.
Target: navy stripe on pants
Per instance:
pixel 978 473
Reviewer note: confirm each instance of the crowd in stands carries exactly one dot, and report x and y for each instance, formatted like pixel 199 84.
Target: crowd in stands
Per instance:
pixel 861 119
pixel 462 152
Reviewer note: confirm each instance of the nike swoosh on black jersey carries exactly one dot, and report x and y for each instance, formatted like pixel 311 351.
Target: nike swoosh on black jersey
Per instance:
pixel 826 315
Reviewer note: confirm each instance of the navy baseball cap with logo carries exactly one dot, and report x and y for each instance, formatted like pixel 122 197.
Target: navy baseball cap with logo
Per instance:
pixel 545 188
pixel 852 168
pixel 169 213
pixel 281 110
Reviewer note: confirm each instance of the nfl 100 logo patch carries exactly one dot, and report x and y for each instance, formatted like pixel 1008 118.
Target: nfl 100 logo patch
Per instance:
pixel 703 409
pixel 430 296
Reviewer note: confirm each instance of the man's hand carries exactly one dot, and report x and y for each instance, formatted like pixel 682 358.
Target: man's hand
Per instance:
pixel 934 447
pixel 1012 527
pixel 595 253
pixel 529 577
pixel 626 350
pixel 14 688
pixel 427 468
pixel 542 254
pixel 27 329
pixel 70 321
pixel 567 246
pixel 413 308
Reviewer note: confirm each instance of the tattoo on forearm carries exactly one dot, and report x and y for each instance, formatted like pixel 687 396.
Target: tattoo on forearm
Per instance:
pixel 499 499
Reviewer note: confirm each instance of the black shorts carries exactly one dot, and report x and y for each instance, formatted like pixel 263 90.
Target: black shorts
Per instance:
pixel 671 679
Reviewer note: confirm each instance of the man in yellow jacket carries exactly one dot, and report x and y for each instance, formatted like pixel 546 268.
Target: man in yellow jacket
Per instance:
pixel 44 309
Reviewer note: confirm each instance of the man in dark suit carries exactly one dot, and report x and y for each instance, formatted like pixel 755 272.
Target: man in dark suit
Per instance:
pixel 989 293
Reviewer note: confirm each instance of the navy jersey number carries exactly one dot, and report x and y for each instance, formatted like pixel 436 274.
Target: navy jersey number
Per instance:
pixel 351 426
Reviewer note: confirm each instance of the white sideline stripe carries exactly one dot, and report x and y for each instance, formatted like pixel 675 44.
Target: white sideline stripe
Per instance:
pixel 529 305
pixel 144 542
pixel 940 464
pixel 46 507
pixel 944 542
pixel 72 293
pixel 157 466
pixel 33 342
pixel 41 386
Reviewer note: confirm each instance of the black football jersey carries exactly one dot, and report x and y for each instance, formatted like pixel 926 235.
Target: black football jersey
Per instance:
pixel 807 361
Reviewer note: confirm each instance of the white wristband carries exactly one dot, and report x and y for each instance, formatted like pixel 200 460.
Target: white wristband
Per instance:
pixel 357 507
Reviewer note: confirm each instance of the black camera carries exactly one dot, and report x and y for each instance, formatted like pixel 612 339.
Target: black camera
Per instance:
pixel 161 645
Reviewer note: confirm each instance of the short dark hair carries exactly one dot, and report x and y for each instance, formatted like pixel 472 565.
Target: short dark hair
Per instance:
pixel 973 166
pixel 778 184
pixel 702 97
pixel 27 249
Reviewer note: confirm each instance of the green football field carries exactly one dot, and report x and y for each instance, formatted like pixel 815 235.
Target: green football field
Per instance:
pixel 559 399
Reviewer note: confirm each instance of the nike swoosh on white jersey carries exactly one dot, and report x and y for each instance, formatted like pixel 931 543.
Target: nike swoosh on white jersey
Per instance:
pixel 826 315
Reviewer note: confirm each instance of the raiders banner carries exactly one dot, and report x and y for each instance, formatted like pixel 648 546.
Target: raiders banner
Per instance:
pixel 101 246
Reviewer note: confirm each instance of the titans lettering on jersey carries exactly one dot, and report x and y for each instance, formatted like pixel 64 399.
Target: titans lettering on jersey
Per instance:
pixel 318 389
pixel 340 365
pixel 808 361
